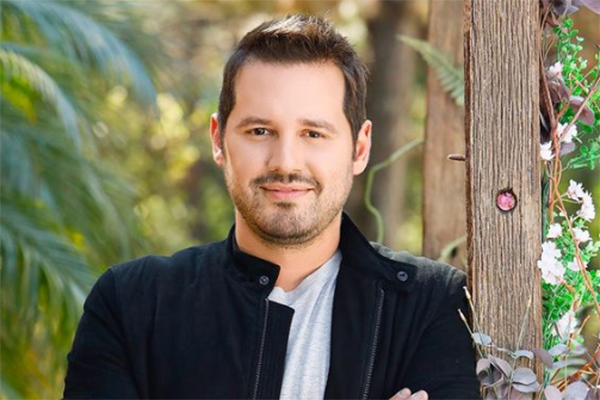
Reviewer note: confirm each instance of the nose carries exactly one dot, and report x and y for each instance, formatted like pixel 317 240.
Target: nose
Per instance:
pixel 285 154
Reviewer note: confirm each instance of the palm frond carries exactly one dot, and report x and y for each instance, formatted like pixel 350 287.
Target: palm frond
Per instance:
pixel 84 193
pixel 451 77
pixel 15 66
pixel 81 38
pixel 35 252
pixel 44 282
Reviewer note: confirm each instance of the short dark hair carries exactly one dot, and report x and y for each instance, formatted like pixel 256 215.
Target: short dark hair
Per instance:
pixel 298 38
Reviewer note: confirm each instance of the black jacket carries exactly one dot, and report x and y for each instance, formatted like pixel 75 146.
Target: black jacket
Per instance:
pixel 198 325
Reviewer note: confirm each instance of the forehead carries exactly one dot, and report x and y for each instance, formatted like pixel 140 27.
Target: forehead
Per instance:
pixel 299 90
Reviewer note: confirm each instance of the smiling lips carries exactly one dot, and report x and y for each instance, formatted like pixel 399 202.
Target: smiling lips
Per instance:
pixel 285 192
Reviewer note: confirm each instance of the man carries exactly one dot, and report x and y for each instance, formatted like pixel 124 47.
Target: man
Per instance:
pixel 295 303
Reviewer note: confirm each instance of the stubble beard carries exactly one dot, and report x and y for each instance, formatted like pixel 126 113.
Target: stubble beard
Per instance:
pixel 289 224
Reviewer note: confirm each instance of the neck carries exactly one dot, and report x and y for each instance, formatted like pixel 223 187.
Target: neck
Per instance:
pixel 296 263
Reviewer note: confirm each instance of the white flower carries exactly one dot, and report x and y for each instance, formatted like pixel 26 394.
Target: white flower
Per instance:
pixel 546 151
pixel 555 70
pixel 554 231
pixel 567 136
pixel 552 270
pixel 581 236
pixel 575 190
pixel 574 265
pixel 566 325
pixel 587 210
pixel 549 250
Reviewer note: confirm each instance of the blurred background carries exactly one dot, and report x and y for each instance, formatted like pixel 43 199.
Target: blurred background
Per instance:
pixel 105 151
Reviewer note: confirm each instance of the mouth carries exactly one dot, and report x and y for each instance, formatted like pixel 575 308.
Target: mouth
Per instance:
pixel 285 192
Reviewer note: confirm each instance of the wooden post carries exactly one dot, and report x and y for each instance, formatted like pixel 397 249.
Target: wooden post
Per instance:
pixel 444 211
pixel 502 47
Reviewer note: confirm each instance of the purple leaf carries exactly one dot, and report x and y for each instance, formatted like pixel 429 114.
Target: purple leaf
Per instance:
pixel 561 9
pixel 587 115
pixel 482 364
pixel 490 377
pixel 517 395
pixel 544 357
pixel 490 395
pixel 524 376
pixel 560 364
pixel 576 391
pixel 593 394
pixel 502 390
pixel 529 388
pixel 523 353
pixel 552 393
pixel 481 339
pixel 558 90
pixel 502 365
pixel 593 5
pixel 566 148
pixel 558 350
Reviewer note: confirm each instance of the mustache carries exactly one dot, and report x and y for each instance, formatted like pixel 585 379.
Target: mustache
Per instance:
pixel 276 177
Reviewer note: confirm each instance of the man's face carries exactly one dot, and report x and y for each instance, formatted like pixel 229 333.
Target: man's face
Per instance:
pixel 288 152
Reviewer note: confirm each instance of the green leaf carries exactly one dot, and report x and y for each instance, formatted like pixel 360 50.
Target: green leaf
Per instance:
pixel 451 77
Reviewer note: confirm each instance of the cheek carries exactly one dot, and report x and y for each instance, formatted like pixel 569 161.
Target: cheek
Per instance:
pixel 333 166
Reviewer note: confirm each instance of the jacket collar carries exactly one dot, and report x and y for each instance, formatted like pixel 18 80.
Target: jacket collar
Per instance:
pixel 357 253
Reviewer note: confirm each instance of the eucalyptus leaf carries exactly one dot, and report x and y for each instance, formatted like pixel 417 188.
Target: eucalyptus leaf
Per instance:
pixel 558 350
pixel 502 365
pixel 481 339
pixel 524 376
pixel 482 364
pixel 576 391
pixel 593 5
pixel 587 115
pixel 552 393
pixel 523 353
pixel 544 357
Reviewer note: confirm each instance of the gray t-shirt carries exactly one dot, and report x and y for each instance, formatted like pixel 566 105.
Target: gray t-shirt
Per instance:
pixel 307 356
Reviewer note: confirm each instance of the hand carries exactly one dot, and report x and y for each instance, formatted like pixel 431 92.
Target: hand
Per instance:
pixel 405 394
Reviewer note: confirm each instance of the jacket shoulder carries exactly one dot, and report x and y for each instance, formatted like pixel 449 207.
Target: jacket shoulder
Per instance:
pixel 149 271
pixel 428 272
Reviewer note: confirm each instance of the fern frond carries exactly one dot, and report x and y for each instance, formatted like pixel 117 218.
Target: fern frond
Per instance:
pixel 451 77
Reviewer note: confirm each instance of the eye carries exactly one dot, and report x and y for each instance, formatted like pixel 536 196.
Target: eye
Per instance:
pixel 314 135
pixel 259 132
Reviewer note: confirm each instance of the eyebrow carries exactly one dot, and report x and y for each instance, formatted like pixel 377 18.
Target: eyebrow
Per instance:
pixel 253 121
pixel 318 123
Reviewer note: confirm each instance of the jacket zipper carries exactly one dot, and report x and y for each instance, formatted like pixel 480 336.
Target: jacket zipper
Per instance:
pixel 261 350
pixel 371 363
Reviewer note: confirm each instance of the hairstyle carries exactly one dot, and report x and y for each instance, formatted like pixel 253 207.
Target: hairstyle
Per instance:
pixel 298 39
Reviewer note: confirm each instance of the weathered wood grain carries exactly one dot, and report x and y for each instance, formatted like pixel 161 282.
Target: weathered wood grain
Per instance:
pixel 502 142
pixel 444 201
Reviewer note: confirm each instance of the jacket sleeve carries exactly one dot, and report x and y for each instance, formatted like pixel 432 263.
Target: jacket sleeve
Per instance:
pixel 444 363
pixel 98 365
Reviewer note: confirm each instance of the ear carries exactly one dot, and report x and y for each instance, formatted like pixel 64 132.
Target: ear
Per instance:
pixel 215 137
pixel 363 148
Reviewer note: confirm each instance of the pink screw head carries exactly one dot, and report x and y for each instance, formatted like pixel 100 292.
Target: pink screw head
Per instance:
pixel 506 200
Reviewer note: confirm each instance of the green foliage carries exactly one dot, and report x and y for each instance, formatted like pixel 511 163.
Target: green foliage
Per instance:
pixel 578 76
pixel 450 77
pixel 575 293
pixel 65 214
